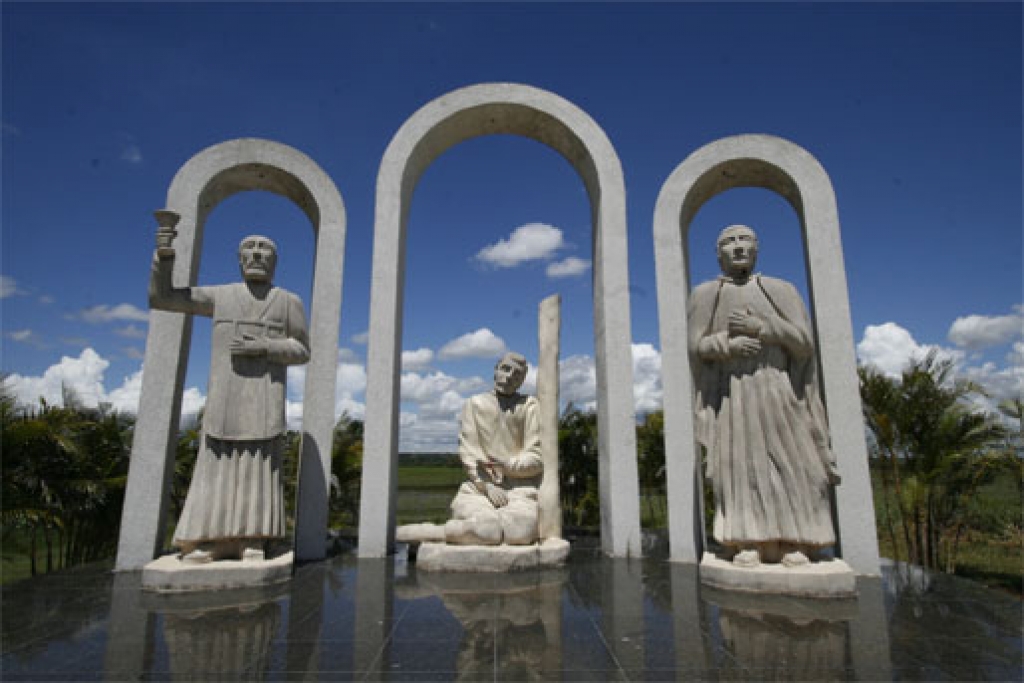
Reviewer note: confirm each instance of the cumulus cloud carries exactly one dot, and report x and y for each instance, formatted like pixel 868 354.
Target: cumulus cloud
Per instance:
pixel 479 344
pixel 104 313
pixel 8 287
pixel 890 347
pixel 974 332
pixel 361 338
pixel 578 382
pixel 646 378
pixel 417 360
pixel 530 242
pixel 85 376
pixel 570 267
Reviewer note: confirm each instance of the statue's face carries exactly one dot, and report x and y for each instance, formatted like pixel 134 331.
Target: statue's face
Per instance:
pixel 508 376
pixel 257 257
pixel 737 250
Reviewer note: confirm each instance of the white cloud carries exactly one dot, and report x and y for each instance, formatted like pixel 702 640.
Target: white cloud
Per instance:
pixel 133 352
pixel 530 242
pixel 131 332
pixel 425 388
pixel 975 332
pixel 570 267
pixel 361 338
pixel 646 378
pixel 890 347
pixel 578 382
pixel 46 299
pixel 8 287
pixel 104 313
pixel 480 344
pixel 417 360
pixel 85 376
pixel 1016 355
pixel 25 336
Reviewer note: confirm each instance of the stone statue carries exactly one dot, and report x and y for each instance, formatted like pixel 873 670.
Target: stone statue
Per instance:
pixel 758 412
pixel 500 449
pixel 235 504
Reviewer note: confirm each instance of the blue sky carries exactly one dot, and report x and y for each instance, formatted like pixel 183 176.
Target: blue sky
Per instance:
pixel 913 109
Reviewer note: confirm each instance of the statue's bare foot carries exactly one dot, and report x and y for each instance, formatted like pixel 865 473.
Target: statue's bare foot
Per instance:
pixel 747 559
pixel 795 559
pixel 198 556
pixel 253 555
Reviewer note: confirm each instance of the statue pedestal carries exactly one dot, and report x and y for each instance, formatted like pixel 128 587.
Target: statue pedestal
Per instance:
pixel 168 574
pixel 441 557
pixel 830 579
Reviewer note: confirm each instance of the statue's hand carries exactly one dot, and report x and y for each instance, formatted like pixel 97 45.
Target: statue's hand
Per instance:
pixel 248 346
pixel 496 495
pixel 744 346
pixel 745 324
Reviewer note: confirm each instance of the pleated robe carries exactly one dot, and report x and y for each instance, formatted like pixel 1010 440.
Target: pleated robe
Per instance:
pixel 760 418
pixel 236 491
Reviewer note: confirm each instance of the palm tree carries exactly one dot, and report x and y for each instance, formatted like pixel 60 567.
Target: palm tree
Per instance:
pixel 936 449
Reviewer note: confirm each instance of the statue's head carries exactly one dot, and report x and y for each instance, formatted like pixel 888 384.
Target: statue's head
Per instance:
pixel 737 250
pixel 509 373
pixel 257 258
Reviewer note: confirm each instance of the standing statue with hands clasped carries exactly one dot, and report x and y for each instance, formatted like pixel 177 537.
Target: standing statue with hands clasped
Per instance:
pixel 235 503
pixel 759 416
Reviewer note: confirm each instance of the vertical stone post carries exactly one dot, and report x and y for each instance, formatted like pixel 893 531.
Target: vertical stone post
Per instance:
pixel 549 325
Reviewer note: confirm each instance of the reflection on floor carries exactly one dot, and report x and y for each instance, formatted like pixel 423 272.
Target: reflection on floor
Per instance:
pixel 595 619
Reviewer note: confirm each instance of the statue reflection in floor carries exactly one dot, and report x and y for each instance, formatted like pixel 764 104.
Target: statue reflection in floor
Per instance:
pixel 512 621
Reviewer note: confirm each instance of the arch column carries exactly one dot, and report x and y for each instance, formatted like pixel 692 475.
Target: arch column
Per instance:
pixel 470 112
pixel 783 167
pixel 203 182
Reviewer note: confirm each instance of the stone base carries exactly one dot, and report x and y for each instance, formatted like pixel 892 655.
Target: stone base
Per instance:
pixel 168 574
pixel 440 557
pixel 829 579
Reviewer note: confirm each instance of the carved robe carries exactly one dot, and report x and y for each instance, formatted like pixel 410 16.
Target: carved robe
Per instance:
pixel 236 490
pixel 760 417
pixel 512 437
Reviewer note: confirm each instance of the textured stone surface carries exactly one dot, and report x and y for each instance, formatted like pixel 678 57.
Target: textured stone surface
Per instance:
pixel 503 108
pixel 440 557
pixel 778 165
pixel 549 325
pixel 168 574
pixel 200 185
pixel 831 579
pixel 758 409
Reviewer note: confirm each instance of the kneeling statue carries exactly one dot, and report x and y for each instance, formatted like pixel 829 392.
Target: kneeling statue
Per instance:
pixel 500 449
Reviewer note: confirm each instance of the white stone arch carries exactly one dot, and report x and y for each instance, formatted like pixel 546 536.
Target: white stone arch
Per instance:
pixel 204 181
pixel 485 109
pixel 789 170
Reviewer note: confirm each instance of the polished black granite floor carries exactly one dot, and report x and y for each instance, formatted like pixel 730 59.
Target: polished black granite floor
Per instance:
pixel 596 619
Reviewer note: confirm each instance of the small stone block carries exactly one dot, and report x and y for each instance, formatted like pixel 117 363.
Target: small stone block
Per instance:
pixel 168 574
pixel 830 579
pixel 440 557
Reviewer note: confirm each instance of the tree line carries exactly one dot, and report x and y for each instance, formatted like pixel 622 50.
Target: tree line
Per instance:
pixel 932 448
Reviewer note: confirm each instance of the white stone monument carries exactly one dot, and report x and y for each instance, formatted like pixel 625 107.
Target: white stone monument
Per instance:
pixel 506 515
pixel 486 109
pixel 200 185
pixel 778 165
